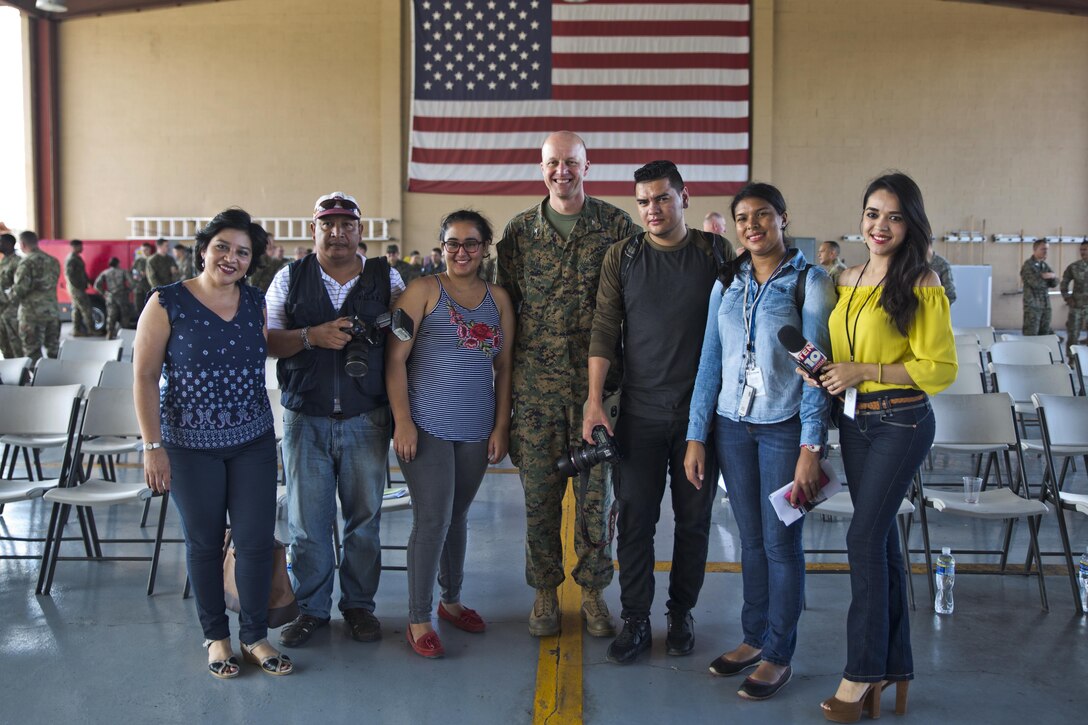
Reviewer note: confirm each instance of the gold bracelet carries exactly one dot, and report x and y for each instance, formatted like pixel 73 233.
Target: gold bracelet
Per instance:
pixel 879 374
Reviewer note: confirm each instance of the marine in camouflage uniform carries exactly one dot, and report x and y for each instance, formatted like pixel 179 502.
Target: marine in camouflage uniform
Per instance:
pixel 10 344
pixel 114 284
pixel 1074 289
pixel 162 269
pixel 944 271
pixel 1037 278
pixel 553 284
pixel 262 277
pixel 140 286
pixel 75 277
pixel 35 290
pixel 183 255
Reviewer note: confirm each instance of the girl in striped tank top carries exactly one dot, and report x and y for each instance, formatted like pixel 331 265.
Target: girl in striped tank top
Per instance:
pixel 449 389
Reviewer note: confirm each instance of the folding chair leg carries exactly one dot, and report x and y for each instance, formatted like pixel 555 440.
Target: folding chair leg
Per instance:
pixel 158 544
pixel 147 508
pixel 26 462
pixel 1033 527
pixel 65 509
pixel 1009 524
pixel 47 549
pixel 188 586
pixel 4 460
pixel 38 463
pixel 85 531
pixel 921 508
pixel 94 532
pixel 905 539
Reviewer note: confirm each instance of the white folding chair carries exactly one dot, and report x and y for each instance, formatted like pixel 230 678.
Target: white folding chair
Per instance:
pixel 1022 381
pixel 968 380
pixel 1080 365
pixel 984 335
pixel 84 349
pixel 966 339
pixel 1064 424
pixel 1018 352
pixel 108 413
pixel 128 339
pixel 968 353
pixel 28 411
pixel 116 374
pixel 981 424
pixel 14 370
pixel 1052 343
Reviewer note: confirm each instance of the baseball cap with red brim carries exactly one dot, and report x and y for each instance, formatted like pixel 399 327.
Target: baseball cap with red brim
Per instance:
pixel 337 204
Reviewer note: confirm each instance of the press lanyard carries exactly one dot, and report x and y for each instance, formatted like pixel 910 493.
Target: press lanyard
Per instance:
pixel 846 322
pixel 750 345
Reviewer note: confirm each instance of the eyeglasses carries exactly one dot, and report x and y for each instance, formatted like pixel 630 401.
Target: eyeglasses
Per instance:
pixel 338 202
pixel 469 245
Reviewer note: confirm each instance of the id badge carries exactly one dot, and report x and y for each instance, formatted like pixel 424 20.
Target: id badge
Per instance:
pixel 754 378
pixel 747 397
pixel 850 403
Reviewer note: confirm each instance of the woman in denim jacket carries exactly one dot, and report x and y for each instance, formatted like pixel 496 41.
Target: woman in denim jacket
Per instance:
pixel 767 427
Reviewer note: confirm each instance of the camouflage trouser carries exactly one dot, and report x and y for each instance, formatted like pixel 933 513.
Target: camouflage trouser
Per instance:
pixel 10 344
pixel 82 317
pixel 116 315
pixel 1075 324
pixel 1037 321
pixel 539 434
pixel 140 291
pixel 38 330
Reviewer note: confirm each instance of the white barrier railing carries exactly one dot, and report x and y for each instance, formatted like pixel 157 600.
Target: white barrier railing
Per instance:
pixel 284 229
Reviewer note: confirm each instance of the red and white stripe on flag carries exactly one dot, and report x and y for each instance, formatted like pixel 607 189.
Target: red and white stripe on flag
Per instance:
pixel 639 80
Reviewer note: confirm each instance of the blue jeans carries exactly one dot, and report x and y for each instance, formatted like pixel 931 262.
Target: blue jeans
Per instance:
pixel 881 451
pixel 323 457
pixel 757 459
pixel 208 485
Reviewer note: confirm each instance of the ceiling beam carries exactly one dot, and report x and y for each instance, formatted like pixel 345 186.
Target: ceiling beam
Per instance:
pixel 89 8
pixel 1067 7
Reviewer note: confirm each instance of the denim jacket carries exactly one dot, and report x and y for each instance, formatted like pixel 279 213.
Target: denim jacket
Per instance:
pixel 722 363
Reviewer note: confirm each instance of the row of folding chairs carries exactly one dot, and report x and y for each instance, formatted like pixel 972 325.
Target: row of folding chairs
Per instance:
pixel 81 417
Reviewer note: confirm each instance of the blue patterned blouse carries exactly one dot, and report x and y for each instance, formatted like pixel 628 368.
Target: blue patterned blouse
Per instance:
pixel 215 393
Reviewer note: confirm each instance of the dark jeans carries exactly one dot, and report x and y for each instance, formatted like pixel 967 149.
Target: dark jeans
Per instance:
pixel 757 459
pixel 652 449
pixel 881 451
pixel 208 485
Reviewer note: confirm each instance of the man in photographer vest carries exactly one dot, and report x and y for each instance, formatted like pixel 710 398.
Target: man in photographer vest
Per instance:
pixel 653 294
pixel 336 427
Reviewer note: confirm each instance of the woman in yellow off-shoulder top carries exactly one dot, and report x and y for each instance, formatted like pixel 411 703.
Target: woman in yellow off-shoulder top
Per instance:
pixel 891 338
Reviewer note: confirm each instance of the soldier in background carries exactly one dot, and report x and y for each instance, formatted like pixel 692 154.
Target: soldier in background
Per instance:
pixel 944 271
pixel 115 286
pixel 35 290
pixel 10 344
pixel 273 262
pixel 183 255
pixel 407 271
pixel 161 267
pixel 1038 278
pixel 1075 293
pixel 75 277
pixel 549 260
pixel 714 222
pixel 140 286
pixel 828 257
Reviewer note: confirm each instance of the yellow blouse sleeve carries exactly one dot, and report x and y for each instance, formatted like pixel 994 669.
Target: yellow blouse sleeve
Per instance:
pixel 931 341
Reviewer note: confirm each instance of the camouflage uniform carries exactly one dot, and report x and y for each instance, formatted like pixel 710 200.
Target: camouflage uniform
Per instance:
pixel 940 265
pixel 75 277
pixel 161 270
pixel 553 284
pixel 140 287
pixel 834 270
pixel 187 266
pixel 10 344
pixel 262 276
pixel 1036 301
pixel 488 270
pixel 35 290
pixel 115 285
pixel 1075 293
pixel 408 271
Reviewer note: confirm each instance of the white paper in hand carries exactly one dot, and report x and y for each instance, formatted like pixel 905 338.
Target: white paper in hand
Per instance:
pixel 829 486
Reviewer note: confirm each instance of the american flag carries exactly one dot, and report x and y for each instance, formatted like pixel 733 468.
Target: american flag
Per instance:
pixel 638 79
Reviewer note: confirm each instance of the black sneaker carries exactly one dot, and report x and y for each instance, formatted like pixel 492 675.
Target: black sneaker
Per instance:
pixel 634 639
pixel 681 638
pixel 298 632
pixel 363 625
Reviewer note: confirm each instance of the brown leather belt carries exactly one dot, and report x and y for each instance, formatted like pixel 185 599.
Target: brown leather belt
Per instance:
pixel 885 403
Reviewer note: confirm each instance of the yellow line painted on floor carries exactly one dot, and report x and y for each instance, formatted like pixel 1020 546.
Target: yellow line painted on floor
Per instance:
pixel 558 699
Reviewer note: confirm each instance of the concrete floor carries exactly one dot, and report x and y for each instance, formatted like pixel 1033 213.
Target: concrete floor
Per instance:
pixel 100 651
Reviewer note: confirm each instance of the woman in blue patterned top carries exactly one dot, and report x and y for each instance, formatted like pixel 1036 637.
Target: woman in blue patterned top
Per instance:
pixel 208 434
pixel 449 388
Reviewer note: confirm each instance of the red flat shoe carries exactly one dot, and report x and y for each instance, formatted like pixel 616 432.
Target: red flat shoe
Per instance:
pixel 469 620
pixel 429 645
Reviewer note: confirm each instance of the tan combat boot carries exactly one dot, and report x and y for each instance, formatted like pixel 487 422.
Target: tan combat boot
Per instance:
pixel 544 619
pixel 595 613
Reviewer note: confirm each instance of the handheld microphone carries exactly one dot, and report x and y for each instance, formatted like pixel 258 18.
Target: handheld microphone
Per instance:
pixel 807 355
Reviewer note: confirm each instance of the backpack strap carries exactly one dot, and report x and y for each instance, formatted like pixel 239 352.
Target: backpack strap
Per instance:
pixel 799 290
pixel 631 250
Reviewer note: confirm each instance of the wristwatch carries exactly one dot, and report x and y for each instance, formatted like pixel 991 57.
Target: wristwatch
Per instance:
pixel 152 446
pixel 812 447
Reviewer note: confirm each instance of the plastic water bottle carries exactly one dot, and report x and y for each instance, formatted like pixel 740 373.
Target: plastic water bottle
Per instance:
pixel 946 578
pixel 1082 581
pixel 289 560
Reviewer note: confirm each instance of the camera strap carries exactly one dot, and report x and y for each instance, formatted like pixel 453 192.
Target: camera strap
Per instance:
pixel 608 471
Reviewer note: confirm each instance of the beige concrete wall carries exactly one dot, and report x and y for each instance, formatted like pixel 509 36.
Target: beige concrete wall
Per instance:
pixel 187 110
pixel 260 103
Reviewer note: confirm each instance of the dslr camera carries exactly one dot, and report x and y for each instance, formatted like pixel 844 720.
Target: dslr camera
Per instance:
pixel 579 460
pixel 365 335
